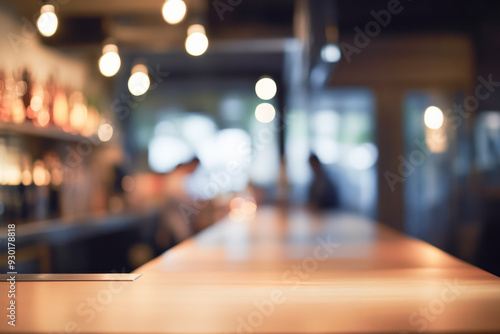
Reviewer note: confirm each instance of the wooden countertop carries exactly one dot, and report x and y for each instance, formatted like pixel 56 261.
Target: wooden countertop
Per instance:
pixel 282 272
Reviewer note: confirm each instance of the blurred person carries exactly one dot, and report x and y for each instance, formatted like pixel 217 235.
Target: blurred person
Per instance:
pixel 179 217
pixel 322 192
pixel 283 199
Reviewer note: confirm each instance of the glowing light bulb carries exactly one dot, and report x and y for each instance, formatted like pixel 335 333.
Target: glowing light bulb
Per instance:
pixel 110 62
pixel 173 11
pixel 26 178
pixel 197 41
pixel 43 118
pixel 36 103
pixel 78 116
pixel 242 208
pixel 265 113
pixel 138 83
pixel 39 173
pixel 433 118
pixel 18 111
pixel 12 175
pixel 105 132
pixel 265 88
pixel 47 22
pixel 61 109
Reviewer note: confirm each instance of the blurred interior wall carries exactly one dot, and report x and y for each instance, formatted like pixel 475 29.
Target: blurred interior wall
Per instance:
pixel 391 66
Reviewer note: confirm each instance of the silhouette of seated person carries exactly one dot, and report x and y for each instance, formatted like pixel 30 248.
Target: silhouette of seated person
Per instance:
pixel 175 223
pixel 322 192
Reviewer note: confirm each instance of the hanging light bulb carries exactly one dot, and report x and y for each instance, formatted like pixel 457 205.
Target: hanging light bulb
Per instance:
pixel 433 118
pixel 330 52
pixel 173 11
pixel 265 88
pixel 138 83
pixel 265 112
pixel 110 62
pixel 196 41
pixel 47 22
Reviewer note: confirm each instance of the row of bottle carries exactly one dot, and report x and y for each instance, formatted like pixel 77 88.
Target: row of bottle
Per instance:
pixel 38 189
pixel 24 100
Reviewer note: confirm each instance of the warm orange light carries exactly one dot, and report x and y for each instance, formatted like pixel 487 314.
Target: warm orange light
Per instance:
pixel 47 178
pixel 235 203
pixel 60 109
pixel 12 175
pixel 18 111
pixel 242 207
pixel 92 123
pixel 436 140
pixel 30 113
pixel 248 208
pixel 36 103
pixel 26 178
pixel 43 118
pixel 39 176
pixel 78 115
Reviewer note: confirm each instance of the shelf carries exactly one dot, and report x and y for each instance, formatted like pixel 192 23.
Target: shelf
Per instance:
pixel 68 229
pixel 50 132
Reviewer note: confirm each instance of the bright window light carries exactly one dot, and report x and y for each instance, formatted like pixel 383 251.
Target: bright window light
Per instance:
pixel 165 153
pixel 363 157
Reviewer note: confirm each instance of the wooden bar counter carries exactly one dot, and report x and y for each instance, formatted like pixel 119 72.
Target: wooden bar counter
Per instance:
pixel 280 272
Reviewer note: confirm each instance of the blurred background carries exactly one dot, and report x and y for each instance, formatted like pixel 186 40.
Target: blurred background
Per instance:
pixel 128 126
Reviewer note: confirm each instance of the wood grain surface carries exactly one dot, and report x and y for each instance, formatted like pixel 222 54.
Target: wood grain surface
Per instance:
pixel 282 271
